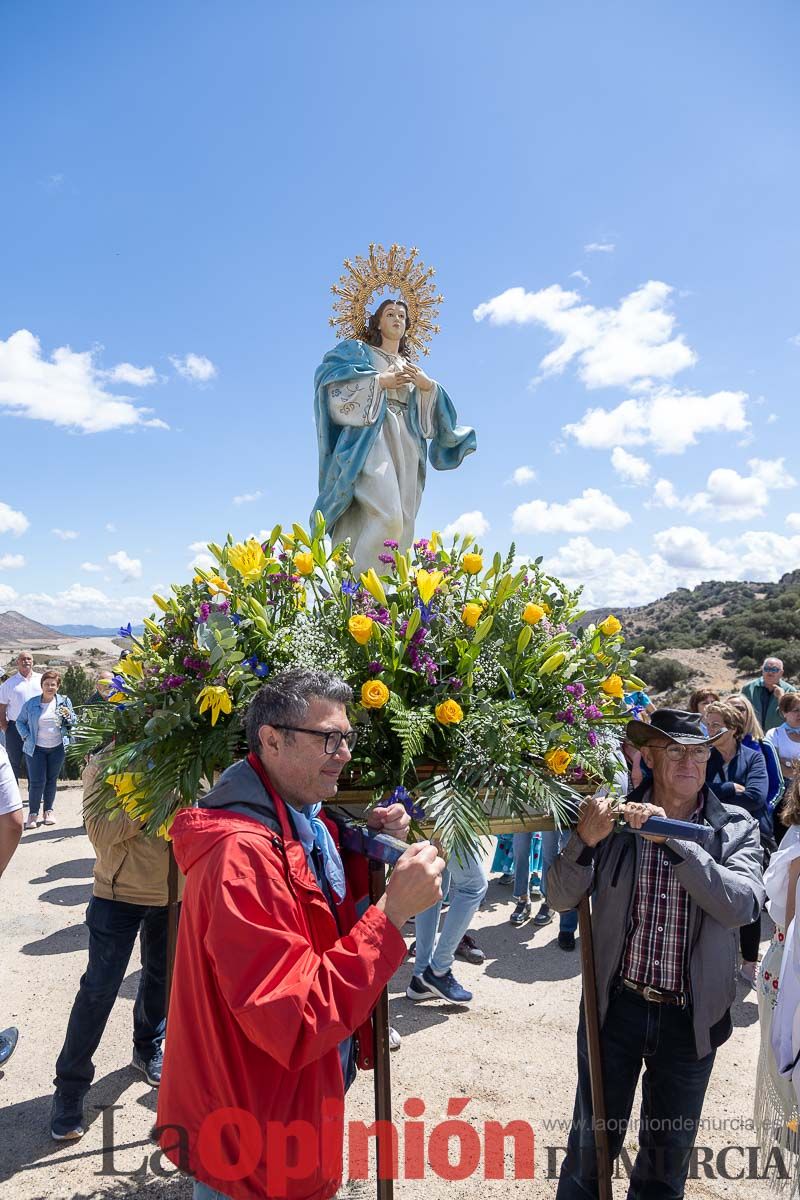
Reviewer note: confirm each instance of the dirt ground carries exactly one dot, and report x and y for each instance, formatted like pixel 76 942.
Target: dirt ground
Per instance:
pixel 512 1053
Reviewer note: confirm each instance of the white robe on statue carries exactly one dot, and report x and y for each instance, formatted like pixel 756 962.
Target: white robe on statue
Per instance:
pixel 388 491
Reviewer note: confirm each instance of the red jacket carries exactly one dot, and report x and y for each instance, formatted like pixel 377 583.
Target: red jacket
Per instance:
pixel 265 988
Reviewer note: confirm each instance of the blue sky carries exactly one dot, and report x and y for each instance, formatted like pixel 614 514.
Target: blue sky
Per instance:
pixel 608 193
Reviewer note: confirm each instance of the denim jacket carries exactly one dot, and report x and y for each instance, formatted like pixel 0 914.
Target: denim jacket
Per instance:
pixel 28 722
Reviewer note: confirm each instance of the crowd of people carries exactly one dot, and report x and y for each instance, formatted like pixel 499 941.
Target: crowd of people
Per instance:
pixel 281 958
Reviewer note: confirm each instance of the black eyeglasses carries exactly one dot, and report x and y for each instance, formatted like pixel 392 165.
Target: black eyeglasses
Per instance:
pixel 333 737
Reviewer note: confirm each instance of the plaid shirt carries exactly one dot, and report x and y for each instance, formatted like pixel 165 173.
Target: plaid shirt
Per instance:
pixel 656 948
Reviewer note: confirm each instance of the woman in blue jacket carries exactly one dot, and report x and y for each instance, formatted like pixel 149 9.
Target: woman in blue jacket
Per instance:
pixel 737 774
pixel 44 726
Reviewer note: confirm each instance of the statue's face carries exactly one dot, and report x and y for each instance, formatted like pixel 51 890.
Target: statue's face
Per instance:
pixel 393 322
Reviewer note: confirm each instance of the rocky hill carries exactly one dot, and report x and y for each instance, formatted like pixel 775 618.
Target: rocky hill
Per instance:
pixel 718 631
pixel 16 627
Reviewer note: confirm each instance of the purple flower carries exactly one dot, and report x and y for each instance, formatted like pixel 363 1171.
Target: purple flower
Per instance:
pixel 419 637
pixel 455 683
pixel 172 681
pixel 593 713
pixel 381 615
pixel 205 610
pixel 391 545
pixel 386 558
pixel 375 667
pixel 575 689
pixel 567 716
pixel 223 605
pixel 592 737
pixel 283 557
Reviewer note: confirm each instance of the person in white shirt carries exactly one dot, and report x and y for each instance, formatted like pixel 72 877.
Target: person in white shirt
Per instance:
pixel 10 832
pixel 786 737
pixel 44 726
pixel 14 693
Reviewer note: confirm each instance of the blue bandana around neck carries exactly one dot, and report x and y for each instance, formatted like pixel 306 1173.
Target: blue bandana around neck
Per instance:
pixel 312 832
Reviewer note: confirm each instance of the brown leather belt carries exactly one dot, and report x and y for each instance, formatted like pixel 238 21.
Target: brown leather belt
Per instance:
pixel 655 994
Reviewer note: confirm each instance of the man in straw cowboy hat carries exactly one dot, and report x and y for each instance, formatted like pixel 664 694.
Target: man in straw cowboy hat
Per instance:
pixel 665 916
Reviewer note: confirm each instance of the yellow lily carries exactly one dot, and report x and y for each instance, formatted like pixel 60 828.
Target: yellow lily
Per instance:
pixel 248 559
pixel 217 699
pixel 131 668
pixel 374 586
pixel 161 602
pixel 427 583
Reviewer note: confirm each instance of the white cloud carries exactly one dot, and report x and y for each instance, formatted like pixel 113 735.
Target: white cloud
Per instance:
pixel 580 275
pixel 473 523
pixel 630 344
pixel 684 557
pixel 793 521
pixel 136 376
pixel 110 527
pixel 668 420
pixel 65 535
pixel 12 562
pixel 11 520
pixel 202 558
pixel 730 496
pixel 593 509
pixel 247 498
pixel 196 367
pixel 795 339
pixel 131 568
pixel 630 468
pixel 7 594
pixel 522 475
pixel 91 567
pixel 685 546
pixel 68 389
pixel 88 604
pixel 600 248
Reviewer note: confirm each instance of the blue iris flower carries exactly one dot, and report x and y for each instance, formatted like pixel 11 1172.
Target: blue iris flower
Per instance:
pixel 125 631
pixel 350 589
pixel 401 795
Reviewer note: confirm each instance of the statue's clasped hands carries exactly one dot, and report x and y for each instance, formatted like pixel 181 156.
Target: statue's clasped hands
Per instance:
pixel 408 375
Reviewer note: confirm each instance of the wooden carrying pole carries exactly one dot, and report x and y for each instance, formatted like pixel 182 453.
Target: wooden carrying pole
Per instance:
pixel 604 1186
pixel 382 1070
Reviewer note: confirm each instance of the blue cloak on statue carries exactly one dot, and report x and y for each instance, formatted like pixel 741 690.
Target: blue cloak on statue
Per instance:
pixel 343 449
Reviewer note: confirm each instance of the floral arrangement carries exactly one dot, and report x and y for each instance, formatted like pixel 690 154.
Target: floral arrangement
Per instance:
pixel 471 679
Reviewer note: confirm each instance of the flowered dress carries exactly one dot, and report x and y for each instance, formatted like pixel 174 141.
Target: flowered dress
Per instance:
pixel 776 1108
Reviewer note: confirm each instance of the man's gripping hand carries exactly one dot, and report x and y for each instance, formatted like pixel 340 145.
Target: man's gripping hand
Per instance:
pixel 415 883
pixel 393 820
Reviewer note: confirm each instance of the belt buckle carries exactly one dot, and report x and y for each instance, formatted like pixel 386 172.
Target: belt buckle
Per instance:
pixel 652 994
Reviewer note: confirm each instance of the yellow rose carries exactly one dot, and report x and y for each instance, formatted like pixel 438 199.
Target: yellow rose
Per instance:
pixel 557 760
pixel 613 687
pixel 360 628
pixel 532 614
pixel 374 694
pixel 304 563
pixel 610 626
pixel 472 563
pixel 449 712
pixel 471 614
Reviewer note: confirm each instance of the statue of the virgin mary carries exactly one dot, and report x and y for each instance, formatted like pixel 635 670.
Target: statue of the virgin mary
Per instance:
pixel 379 417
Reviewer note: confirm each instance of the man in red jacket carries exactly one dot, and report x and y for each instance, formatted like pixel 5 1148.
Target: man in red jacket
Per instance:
pixel 276 976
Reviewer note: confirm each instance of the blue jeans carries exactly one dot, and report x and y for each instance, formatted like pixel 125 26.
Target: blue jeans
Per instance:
pixel 113 926
pixel 636 1032
pixel 527 859
pixel 14 749
pixel 44 767
pixel 467 884
pixel 552 844
pixel 202 1191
